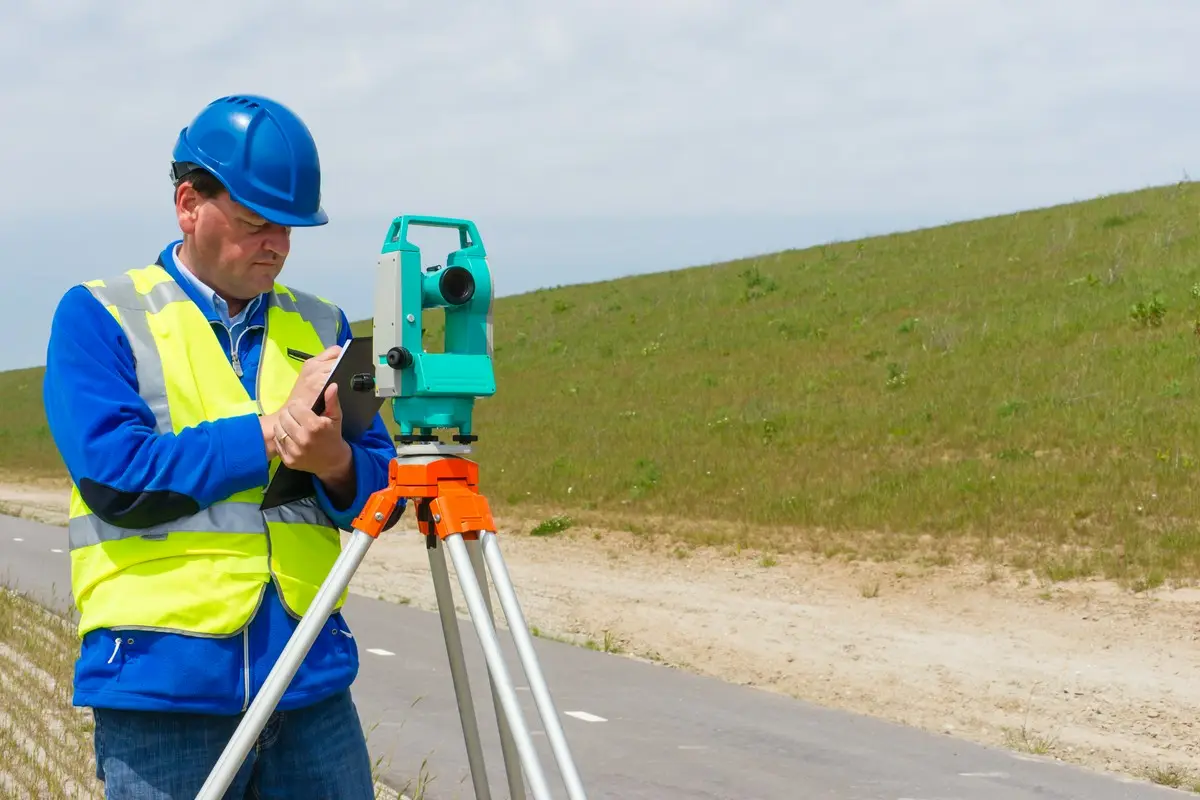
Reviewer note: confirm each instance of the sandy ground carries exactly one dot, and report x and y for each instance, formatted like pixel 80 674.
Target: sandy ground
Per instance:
pixel 1085 671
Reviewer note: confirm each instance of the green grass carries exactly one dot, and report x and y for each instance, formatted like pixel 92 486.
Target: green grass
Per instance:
pixel 26 447
pixel 1021 389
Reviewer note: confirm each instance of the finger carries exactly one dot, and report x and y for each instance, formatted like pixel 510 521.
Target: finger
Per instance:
pixel 296 421
pixel 300 415
pixel 328 354
pixel 316 370
pixel 307 424
pixel 284 443
pixel 333 405
pixel 321 362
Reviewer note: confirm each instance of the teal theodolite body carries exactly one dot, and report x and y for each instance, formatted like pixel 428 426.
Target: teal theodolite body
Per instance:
pixel 433 390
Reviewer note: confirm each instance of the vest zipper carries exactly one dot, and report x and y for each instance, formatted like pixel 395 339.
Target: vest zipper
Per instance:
pixel 258 372
pixel 234 347
pixel 237 367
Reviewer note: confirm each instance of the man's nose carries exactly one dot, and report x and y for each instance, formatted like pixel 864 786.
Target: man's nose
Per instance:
pixel 278 239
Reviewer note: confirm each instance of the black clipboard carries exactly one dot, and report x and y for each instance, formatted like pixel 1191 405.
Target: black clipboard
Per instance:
pixel 358 413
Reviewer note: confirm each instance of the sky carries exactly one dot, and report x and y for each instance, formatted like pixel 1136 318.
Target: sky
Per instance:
pixel 587 140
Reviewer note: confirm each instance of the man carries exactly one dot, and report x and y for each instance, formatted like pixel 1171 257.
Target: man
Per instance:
pixel 171 396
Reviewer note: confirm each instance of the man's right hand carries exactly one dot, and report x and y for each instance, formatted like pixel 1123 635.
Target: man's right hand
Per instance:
pixel 311 381
pixel 305 391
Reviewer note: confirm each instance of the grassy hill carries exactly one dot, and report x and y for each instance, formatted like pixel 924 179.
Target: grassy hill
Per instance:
pixel 1021 387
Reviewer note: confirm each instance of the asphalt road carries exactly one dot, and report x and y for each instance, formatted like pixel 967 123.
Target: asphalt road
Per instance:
pixel 637 730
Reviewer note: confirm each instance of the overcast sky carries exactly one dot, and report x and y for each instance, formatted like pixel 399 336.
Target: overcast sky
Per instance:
pixel 587 139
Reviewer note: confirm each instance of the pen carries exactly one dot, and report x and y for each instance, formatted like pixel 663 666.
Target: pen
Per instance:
pixel 299 355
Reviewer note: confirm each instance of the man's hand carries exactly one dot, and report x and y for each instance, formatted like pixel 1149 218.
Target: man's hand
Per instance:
pixel 312 377
pixel 313 443
pixel 304 392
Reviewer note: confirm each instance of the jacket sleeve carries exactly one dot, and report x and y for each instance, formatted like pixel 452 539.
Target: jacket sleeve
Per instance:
pixel 373 452
pixel 128 474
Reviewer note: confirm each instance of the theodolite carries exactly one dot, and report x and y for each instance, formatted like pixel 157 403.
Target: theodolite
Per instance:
pixel 433 390
pixel 428 392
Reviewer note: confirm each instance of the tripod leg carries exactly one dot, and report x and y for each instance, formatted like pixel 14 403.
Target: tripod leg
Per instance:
pixel 537 683
pixel 495 661
pixel 512 762
pixel 285 668
pixel 458 671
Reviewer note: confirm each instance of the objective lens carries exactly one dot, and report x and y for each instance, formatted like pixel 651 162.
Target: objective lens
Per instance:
pixel 457 285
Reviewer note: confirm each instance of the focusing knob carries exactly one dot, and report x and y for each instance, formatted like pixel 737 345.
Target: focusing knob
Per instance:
pixel 399 358
pixel 363 382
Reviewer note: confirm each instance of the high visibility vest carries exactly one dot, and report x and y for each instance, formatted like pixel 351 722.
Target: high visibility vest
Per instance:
pixel 204 573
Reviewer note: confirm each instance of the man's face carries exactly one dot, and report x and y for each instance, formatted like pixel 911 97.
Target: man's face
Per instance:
pixel 237 251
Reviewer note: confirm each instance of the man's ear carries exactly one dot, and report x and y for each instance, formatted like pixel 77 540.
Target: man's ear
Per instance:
pixel 187 207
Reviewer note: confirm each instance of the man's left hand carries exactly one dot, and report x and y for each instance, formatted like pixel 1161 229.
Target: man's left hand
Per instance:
pixel 313 443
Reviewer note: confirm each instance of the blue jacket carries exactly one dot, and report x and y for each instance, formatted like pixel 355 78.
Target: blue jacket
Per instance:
pixel 105 434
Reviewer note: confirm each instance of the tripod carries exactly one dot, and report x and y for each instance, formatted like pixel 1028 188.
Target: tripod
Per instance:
pixel 451 513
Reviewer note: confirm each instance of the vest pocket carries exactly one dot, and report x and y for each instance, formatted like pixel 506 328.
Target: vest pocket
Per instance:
pixel 100 659
pixel 160 670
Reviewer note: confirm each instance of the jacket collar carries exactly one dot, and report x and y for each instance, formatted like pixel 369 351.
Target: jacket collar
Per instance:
pixel 166 260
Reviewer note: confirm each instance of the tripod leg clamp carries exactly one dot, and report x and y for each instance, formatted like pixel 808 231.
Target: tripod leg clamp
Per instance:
pixel 381 512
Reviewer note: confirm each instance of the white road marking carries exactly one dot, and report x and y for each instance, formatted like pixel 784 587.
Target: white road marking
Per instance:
pixel 983 774
pixel 55 550
pixel 585 716
pixel 693 747
pixel 379 652
pixel 18 539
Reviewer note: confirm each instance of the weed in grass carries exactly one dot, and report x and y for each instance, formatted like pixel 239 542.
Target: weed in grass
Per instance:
pixel 1173 777
pixel 608 645
pixel 551 526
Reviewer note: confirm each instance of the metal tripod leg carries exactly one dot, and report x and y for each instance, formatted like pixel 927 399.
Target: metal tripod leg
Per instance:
pixel 285 668
pixel 512 759
pixel 496 666
pixel 458 671
pixel 537 682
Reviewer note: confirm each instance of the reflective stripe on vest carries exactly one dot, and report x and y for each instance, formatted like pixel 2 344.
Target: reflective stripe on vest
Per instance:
pixel 229 517
pixel 204 573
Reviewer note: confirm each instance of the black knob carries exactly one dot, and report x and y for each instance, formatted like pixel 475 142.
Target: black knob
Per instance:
pixel 399 358
pixel 363 382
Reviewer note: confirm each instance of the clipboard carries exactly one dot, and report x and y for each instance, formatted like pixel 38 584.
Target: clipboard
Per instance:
pixel 358 413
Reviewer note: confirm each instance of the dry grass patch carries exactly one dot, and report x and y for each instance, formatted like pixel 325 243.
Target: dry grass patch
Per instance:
pixel 45 743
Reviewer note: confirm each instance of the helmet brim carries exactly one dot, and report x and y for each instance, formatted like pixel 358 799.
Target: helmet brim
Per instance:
pixel 313 220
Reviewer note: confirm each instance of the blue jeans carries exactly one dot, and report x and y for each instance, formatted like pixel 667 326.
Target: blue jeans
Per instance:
pixel 319 751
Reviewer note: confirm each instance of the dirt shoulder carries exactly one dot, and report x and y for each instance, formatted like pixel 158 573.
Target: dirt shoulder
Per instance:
pixel 1084 671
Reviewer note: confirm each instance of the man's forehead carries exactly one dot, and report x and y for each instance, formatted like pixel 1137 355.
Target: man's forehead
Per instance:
pixel 245 213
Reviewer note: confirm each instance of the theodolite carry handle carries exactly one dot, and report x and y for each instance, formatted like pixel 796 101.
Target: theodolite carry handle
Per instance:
pixel 468 235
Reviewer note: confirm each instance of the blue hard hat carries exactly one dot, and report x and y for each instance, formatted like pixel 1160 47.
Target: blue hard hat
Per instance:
pixel 262 152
